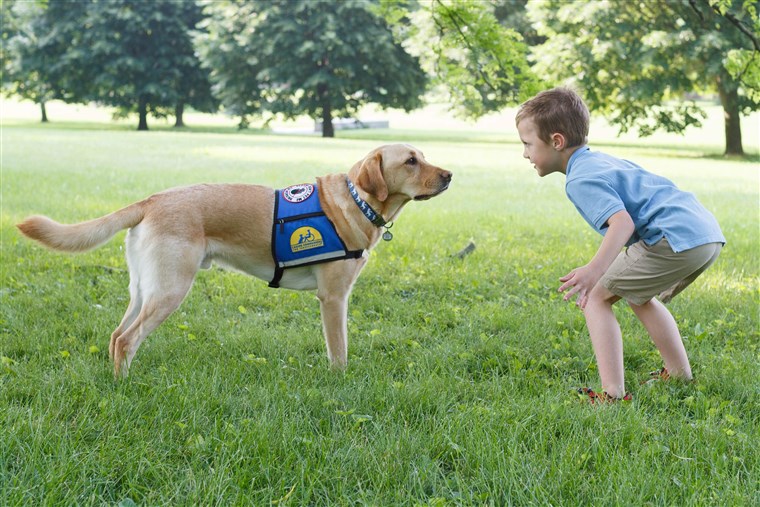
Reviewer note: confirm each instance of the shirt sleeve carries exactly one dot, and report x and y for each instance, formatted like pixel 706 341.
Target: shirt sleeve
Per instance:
pixel 595 199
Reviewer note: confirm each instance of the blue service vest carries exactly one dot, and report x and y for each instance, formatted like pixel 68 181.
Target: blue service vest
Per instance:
pixel 301 233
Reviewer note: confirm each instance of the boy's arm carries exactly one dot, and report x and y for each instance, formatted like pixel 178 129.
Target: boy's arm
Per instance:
pixel 583 279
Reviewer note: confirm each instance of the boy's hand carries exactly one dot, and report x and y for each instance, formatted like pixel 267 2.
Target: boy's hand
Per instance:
pixel 580 281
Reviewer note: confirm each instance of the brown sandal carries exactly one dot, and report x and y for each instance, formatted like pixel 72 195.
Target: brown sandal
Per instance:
pixel 654 376
pixel 602 397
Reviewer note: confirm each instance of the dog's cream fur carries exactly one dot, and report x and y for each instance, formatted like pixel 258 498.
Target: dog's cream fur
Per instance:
pixel 175 233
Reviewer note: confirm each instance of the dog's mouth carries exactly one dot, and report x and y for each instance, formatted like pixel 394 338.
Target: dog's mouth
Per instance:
pixel 425 197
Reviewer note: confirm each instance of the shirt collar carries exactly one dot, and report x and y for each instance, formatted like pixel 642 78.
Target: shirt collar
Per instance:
pixel 577 153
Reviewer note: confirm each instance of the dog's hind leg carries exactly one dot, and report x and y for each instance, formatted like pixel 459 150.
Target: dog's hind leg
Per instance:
pixel 135 298
pixel 133 310
pixel 166 273
pixel 155 310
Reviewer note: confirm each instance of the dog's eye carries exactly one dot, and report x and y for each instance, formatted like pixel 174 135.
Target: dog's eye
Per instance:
pixel 412 161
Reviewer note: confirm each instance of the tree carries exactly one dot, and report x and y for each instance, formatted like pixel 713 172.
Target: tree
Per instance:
pixel 124 53
pixel 324 59
pixel 474 49
pixel 514 14
pixel 33 45
pixel 139 56
pixel 233 67
pixel 483 63
pixel 744 64
pixel 192 85
pixel 636 61
pixel 23 71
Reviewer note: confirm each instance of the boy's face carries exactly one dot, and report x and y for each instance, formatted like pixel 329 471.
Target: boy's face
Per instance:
pixel 544 157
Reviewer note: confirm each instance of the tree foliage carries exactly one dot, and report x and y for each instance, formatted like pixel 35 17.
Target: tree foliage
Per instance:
pixel 140 56
pixel 33 43
pixel 482 63
pixel 223 46
pixel 632 59
pixel 743 64
pixel 135 56
pixel 474 49
pixel 323 59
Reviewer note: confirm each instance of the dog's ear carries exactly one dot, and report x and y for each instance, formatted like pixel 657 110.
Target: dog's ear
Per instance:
pixel 371 178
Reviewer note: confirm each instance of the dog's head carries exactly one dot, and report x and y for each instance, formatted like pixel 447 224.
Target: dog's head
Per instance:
pixel 401 171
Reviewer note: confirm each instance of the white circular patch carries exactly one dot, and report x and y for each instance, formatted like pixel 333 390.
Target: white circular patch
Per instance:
pixel 298 193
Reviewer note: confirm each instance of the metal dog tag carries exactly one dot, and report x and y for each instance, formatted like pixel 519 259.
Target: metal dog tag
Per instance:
pixel 387 236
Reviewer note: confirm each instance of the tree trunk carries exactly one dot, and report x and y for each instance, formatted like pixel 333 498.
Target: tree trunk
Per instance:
pixel 43 110
pixel 729 98
pixel 178 112
pixel 142 109
pixel 327 124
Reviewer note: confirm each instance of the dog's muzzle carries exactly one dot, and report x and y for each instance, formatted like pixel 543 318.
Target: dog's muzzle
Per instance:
pixel 444 185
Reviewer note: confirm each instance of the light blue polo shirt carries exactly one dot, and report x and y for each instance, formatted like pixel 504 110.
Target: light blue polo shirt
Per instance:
pixel 600 185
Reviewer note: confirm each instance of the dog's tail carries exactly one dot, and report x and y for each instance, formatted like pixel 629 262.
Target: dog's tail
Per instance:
pixel 82 236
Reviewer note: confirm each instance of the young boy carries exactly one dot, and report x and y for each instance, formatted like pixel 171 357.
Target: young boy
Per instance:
pixel 670 237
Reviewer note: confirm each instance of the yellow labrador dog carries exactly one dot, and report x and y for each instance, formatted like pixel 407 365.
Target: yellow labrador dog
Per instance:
pixel 260 231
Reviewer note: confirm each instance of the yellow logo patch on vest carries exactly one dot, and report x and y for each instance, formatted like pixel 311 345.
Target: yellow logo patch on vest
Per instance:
pixel 305 238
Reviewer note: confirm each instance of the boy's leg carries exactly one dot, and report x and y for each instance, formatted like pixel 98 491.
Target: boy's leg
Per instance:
pixel 640 273
pixel 663 330
pixel 607 340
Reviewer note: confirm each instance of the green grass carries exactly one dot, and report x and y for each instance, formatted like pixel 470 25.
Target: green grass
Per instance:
pixel 459 386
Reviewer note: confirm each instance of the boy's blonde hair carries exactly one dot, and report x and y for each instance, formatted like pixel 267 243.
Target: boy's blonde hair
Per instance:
pixel 559 110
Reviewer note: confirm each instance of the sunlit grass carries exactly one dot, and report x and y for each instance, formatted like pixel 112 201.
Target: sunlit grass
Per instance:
pixel 459 386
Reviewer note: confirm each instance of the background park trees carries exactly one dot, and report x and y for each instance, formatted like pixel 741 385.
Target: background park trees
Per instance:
pixel 637 63
pixel 30 52
pixel 635 60
pixel 322 59
pixel 475 51
pixel 140 55
pixel 135 56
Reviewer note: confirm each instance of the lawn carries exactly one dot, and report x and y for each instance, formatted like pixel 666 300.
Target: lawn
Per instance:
pixel 459 389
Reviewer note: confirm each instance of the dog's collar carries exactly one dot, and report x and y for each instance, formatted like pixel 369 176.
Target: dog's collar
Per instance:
pixel 373 216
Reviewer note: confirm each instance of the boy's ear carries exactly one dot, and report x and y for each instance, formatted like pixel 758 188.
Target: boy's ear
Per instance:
pixel 558 141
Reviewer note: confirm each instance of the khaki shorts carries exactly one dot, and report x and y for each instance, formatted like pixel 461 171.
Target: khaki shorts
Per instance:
pixel 642 272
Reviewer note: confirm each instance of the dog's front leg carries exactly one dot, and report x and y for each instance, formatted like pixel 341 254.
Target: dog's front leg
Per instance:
pixel 334 283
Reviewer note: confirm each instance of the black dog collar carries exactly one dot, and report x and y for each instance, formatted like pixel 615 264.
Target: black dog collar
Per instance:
pixel 373 216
